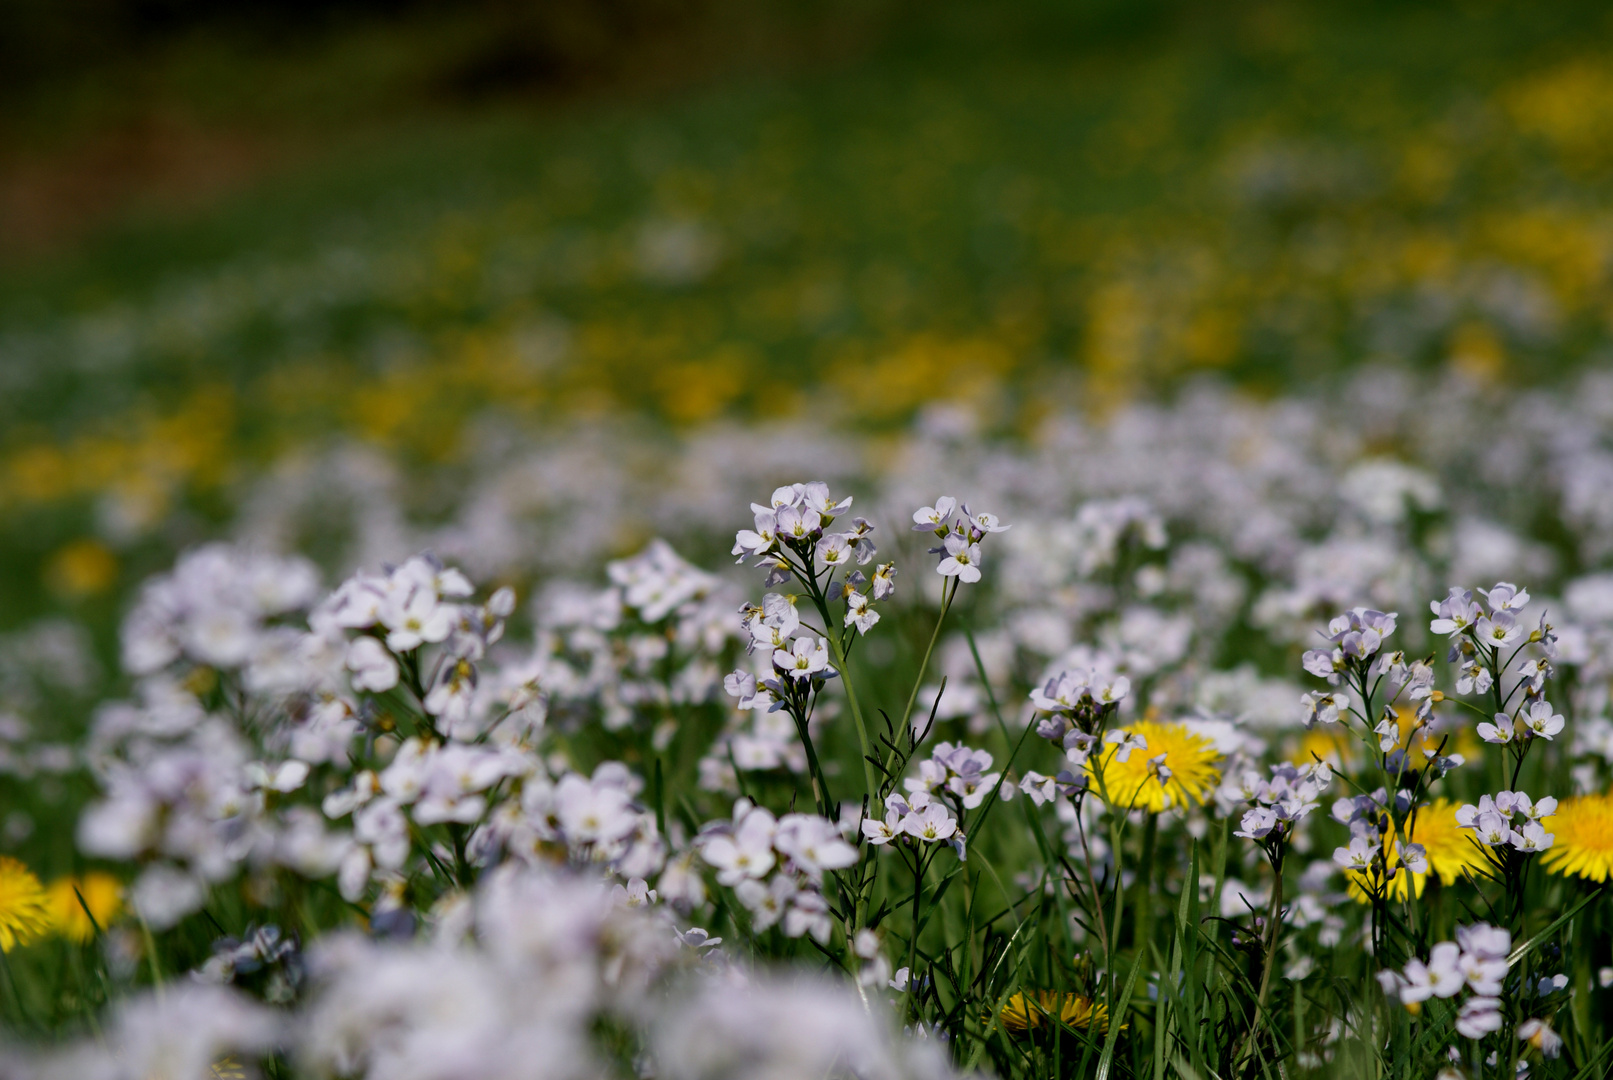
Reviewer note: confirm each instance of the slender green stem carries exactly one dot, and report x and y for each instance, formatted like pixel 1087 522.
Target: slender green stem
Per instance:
pixel 948 591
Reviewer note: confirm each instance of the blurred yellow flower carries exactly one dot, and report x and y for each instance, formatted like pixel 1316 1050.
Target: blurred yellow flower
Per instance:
pixel 82 568
pixel 1583 827
pixel 24 913
pixel 1131 776
pixel 102 895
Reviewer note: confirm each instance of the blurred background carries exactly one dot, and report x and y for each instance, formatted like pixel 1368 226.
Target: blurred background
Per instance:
pixel 255 254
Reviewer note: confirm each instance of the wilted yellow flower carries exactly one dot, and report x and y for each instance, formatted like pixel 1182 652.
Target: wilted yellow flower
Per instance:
pixel 103 895
pixel 1024 1012
pixel 24 913
pixel 1135 776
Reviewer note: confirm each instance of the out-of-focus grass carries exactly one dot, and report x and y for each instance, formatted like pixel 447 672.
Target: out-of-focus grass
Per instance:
pixel 1008 205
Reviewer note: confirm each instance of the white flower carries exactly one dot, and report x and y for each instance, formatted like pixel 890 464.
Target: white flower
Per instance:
pixel 934 822
pixel 1455 613
pixel 884 580
pixel 372 666
pixel 1063 692
pixel 747 853
pixel 807 657
pixel 1358 856
pixel 1388 732
pixel 797 524
pixel 835 550
pixel 1474 678
pixel 1532 837
pixel 1124 742
pixel 1534 811
pixel 1538 1034
pixel 1257 823
pixel 1541 721
pixel 860 613
pixel 1321 708
pixel 413 614
pixel 1111 691
pixel 962 560
pixel 815 495
pixel 934 518
pixel 984 523
pixel 1414 857
pixel 813 843
pixel 1498 630
pixel 1323 663
pixel 883 832
pixel 742 685
pixel 1505 596
pixel 750 542
pixel 1440 977
pixel 1478 1016
pixel 1500 732
pixel 1492 829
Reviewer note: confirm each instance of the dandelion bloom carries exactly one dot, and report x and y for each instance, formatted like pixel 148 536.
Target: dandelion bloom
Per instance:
pixel 1131 776
pixel 1448 846
pixel 1025 1012
pixel 1584 829
pixel 24 913
pixel 102 894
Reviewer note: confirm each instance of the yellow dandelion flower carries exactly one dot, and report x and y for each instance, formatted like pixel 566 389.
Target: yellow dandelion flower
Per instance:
pixel 1188 777
pixel 24 913
pixel 1027 1012
pixel 1450 851
pixel 1583 826
pixel 102 894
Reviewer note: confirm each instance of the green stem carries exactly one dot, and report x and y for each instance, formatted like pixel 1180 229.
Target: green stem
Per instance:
pixel 875 805
pixel 948 591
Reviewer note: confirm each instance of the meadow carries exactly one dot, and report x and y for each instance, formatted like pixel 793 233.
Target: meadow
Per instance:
pixel 1208 675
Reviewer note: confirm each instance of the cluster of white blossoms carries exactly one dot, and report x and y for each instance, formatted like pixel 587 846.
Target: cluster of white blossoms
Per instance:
pixel 775 866
pixel 328 747
pixel 791 534
pixel 950 782
pixel 1281 802
pixel 1509 818
pixel 513 979
pixel 633 653
pixel 409 738
pixel 960 535
pixel 1477 961
pixel 1079 705
pixel 216 607
pixel 1367 818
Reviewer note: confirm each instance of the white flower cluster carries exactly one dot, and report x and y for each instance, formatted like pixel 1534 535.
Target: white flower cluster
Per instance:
pixel 1477 961
pixel 791 533
pixel 1509 818
pixel 631 653
pixel 952 780
pixel 792 662
pixel 1367 817
pixel 795 849
pixel 516 979
pixel 378 737
pixel 1281 802
pixel 215 608
pixel 960 536
pixel 1079 704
